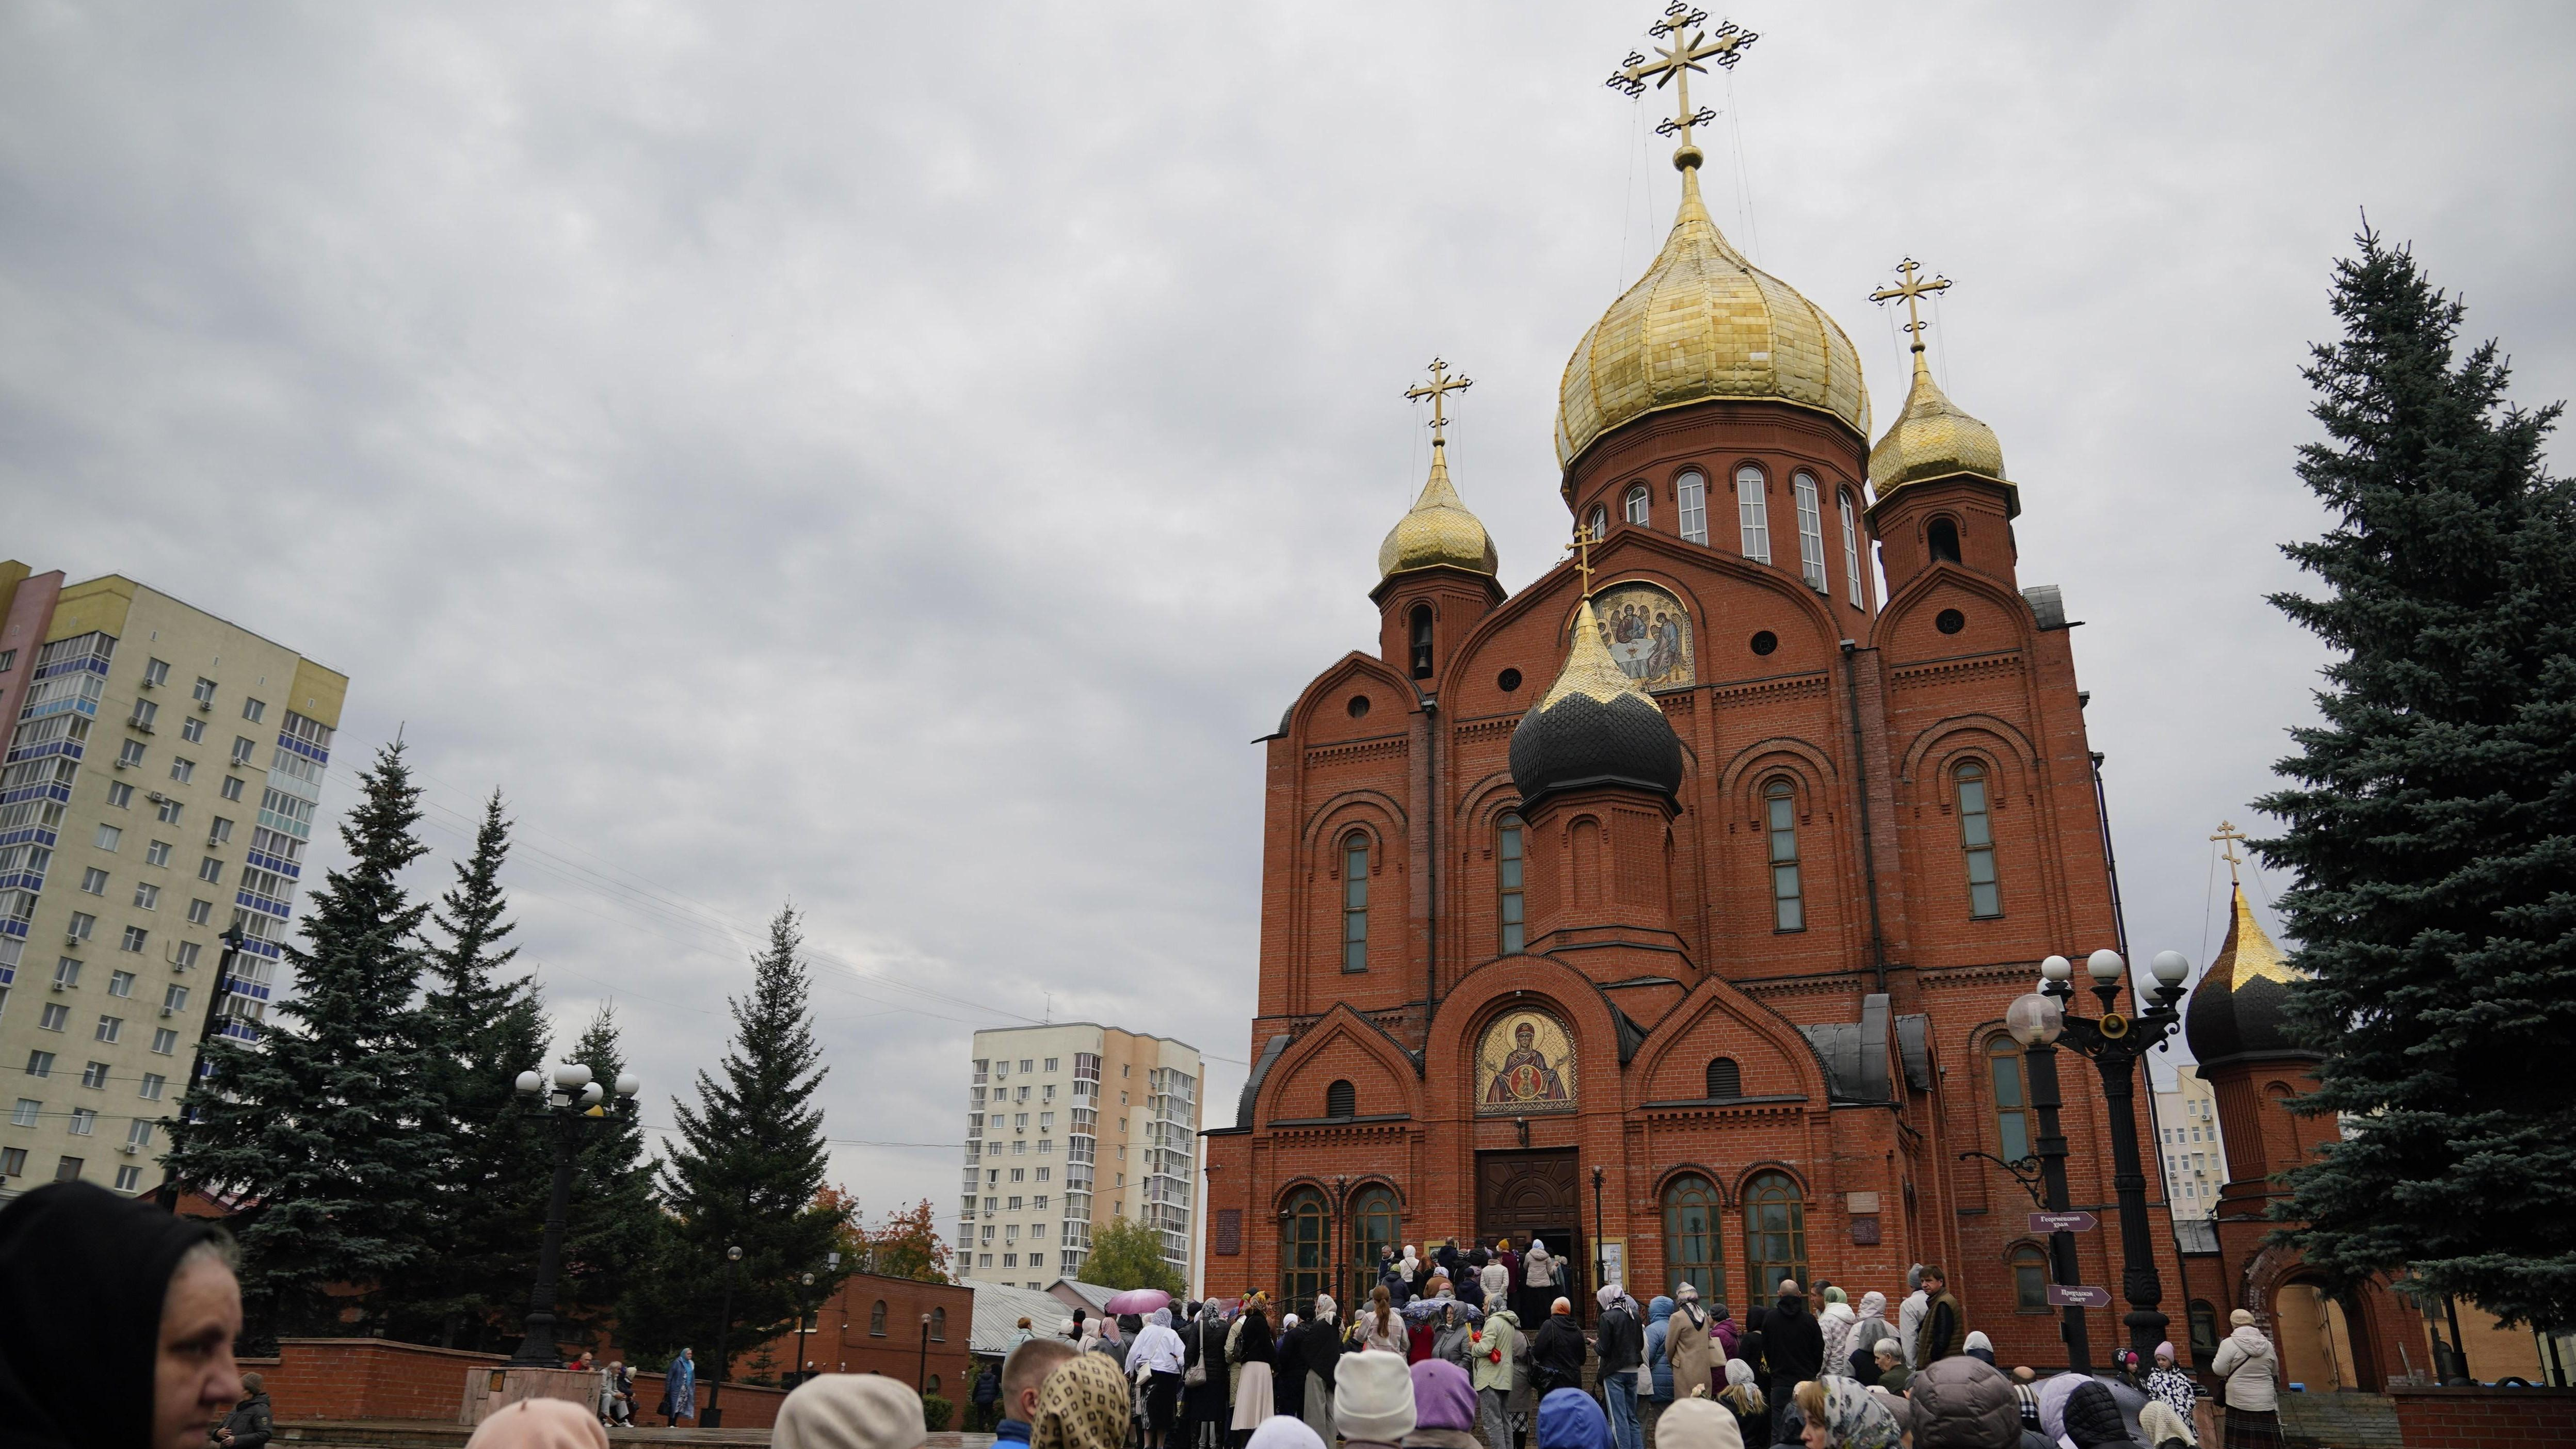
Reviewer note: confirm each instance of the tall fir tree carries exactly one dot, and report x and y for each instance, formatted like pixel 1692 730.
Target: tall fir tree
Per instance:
pixel 326 1128
pixel 480 1029
pixel 610 1230
pixel 2432 822
pixel 745 1172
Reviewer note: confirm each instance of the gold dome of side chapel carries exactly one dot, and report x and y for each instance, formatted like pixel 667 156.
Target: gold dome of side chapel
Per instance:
pixel 1437 530
pixel 1934 438
pixel 1702 324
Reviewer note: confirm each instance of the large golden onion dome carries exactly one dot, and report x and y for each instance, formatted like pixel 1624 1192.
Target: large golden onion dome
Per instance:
pixel 1932 439
pixel 1439 530
pixel 1703 323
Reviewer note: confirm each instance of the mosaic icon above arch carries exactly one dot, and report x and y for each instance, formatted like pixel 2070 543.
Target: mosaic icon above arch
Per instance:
pixel 1648 632
pixel 1524 1066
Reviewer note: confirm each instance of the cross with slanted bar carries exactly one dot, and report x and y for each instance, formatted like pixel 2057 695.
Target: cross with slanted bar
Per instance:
pixel 2230 835
pixel 1910 289
pixel 1440 386
pixel 1584 538
pixel 1675 62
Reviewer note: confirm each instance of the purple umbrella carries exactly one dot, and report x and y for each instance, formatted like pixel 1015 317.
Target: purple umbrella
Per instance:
pixel 1137 1300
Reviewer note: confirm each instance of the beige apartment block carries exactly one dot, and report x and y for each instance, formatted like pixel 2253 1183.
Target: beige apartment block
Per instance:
pixel 163 774
pixel 2195 1160
pixel 1069 1127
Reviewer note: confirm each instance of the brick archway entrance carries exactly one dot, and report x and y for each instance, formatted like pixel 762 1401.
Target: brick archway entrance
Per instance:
pixel 1535 1193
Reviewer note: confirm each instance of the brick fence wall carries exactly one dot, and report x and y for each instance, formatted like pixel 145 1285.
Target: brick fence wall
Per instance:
pixel 2478 1418
pixel 378 1378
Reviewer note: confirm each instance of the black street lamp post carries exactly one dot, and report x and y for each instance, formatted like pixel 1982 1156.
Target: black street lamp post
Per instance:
pixel 1332 1231
pixel 713 1418
pixel 921 1373
pixel 565 1099
pixel 1600 1247
pixel 232 938
pixel 804 1310
pixel 2115 1043
pixel 2034 1022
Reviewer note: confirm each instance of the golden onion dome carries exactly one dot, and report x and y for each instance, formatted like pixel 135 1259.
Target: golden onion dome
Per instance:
pixel 1438 530
pixel 1703 323
pixel 1932 438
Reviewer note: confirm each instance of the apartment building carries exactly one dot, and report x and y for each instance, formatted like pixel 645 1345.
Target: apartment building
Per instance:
pixel 163 772
pixel 2195 1159
pixel 1069 1127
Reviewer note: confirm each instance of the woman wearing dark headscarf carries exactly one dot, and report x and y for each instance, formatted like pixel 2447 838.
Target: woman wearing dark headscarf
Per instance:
pixel 117 1322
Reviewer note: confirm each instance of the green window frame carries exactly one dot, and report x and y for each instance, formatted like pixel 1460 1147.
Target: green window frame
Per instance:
pixel 1780 819
pixel 2013 1131
pixel 2030 1279
pixel 1977 839
pixel 1355 892
pixel 1775 1231
pixel 1375 1222
pixel 1509 880
pixel 1691 1236
pixel 1301 1251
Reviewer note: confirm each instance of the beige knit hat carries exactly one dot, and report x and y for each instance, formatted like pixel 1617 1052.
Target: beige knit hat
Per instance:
pixel 850 1411
pixel 1373 1396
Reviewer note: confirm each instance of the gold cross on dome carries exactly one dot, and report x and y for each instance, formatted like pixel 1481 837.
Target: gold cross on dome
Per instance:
pixel 1674 63
pixel 1910 289
pixel 2230 835
pixel 1584 538
pixel 1440 386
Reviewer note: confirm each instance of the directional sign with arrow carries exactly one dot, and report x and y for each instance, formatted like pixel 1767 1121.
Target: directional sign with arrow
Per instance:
pixel 2063 1222
pixel 2062 1296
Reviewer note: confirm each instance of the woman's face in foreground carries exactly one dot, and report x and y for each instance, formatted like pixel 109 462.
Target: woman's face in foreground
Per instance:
pixel 194 1376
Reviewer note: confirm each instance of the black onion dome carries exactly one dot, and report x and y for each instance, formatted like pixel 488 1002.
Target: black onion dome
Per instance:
pixel 2241 1008
pixel 1595 727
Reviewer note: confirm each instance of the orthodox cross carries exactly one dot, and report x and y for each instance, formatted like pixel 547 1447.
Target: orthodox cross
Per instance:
pixel 2230 835
pixel 1674 63
pixel 1907 271
pixel 1440 386
pixel 1584 538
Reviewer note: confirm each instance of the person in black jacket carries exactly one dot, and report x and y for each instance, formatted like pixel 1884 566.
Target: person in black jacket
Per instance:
pixel 1623 1349
pixel 1557 1353
pixel 1288 1374
pixel 249 1425
pixel 1794 1345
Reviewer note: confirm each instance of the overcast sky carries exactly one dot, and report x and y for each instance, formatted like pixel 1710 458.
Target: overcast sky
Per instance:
pixel 895 458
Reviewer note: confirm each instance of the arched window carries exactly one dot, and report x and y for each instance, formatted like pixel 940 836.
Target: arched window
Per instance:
pixel 1374 1223
pixel 1355 881
pixel 1780 817
pixel 1422 641
pixel 1811 532
pixel 876 1319
pixel 1753 513
pixel 933 1386
pixel 939 1325
pixel 2030 1278
pixel 1691 489
pixel 1638 509
pixel 1600 523
pixel 1690 1236
pixel 1507 878
pixel 2204 1332
pixel 1977 838
pixel 1725 1078
pixel 1851 550
pixel 1301 1251
pixel 2012 1102
pixel 1944 538
pixel 1775 1232
pixel 1341 1099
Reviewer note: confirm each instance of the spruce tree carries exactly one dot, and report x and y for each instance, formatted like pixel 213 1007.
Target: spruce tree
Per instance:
pixel 2432 822
pixel 745 1172
pixel 480 1030
pixel 325 1127
pixel 609 1234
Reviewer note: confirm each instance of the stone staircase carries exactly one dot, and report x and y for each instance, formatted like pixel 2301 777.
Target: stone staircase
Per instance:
pixel 2339 1421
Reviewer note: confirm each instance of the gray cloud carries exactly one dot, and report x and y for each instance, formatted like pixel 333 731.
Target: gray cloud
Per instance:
pixel 857 458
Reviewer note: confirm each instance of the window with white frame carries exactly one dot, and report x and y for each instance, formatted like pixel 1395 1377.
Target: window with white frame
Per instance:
pixel 1691 489
pixel 1851 551
pixel 108 837
pixel 1811 532
pixel 1753 514
pixel 157 853
pixel 1639 508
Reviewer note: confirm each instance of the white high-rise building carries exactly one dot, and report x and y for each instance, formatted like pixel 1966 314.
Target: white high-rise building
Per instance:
pixel 1069 1127
pixel 2195 1160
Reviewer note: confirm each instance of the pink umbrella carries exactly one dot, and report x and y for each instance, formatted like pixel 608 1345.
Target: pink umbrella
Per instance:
pixel 1138 1300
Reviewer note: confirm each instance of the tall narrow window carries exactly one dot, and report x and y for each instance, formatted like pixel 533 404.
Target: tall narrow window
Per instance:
pixel 1753 514
pixel 1638 508
pixel 877 1318
pixel 1600 524
pixel 1301 1251
pixel 1775 1231
pixel 1780 812
pixel 1422 641
pixel 1690 1236
pixel 1977 838
pixel 1373 1226
pixel 2030 1279
pixel 1851 551
pixel 2012 1103
pixel 1943 536
pixel 1355 875
pixel 1811 532
pixel 1507 875
pixel 1692 489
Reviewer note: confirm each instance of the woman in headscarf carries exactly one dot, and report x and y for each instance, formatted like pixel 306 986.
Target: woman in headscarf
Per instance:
pixel 1690 1347
pixel 1840 1414
pixel 2244 1365
pixel 1699 1424
pixel 2170 1384
pixel 1082 1405
pixel 1444 1407
pixel 1381 1327
pixel 117 1322
pixel 1278 1433
pixel 562 1424
pixel 1323 1352
pixel 680 1389
pixel 1980 1348
pixel 1446 1259
pixel 847 1411
pixel 1495 1277
pixel 1287 1369
pixel 1254 1351
pixel 1538 1278
pixel 1158 1352
pixel 1449 1342
pixel 2163 1428
pixel 1869 1325
pixel 1203 1350
pixel 1838 1323
pixel 1470 1280
pixel 1742 1397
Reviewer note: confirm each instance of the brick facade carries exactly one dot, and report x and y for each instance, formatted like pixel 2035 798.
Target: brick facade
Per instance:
pixel 1652 933
pixel 849 1334
pixel 2480 1418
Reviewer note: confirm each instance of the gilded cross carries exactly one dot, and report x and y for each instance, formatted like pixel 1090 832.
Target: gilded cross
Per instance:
pixel 1584 538
pixel 1673 64
pixel 2230 835
pixel 1439 387
pixel 1909 287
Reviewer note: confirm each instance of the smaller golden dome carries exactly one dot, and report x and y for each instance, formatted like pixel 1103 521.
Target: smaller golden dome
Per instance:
pixel 1439 530
pixel 1932 438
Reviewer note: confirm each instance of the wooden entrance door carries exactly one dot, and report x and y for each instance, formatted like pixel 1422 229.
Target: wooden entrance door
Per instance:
pixel 1536 1194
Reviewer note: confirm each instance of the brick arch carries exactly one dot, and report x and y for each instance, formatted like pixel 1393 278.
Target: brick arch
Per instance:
pixel 1328 689
pixel 1288 1191
pixel 1757 762
pixel 1543 982
pixel 1367 1180
pixel 2017 753
pixel 1372 810
pixel 1489 799
pixel 1321 1056
pixel 1716 998
pixel 1744 1178
pixel 1716 1182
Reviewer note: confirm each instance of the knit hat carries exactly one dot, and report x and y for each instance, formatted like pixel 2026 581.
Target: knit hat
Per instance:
pixel 850 1411
pixel 1836 1295
pixel 1697 1424
pixel 1372 1397
pixel 1285 1431
pixel 2241 1318
pixel 2165 1351
pixel 1442 1396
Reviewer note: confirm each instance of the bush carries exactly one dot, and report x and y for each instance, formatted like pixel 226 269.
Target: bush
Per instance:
pixel 935 1411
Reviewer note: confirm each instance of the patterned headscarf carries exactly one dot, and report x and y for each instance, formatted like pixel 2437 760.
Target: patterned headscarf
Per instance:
pixel 1083 1406
pixel 1854 1419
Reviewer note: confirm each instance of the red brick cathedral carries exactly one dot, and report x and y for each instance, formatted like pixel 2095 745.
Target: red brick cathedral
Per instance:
pixel 1668 909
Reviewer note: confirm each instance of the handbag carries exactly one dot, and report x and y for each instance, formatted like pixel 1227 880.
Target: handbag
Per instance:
pixel 1196 1374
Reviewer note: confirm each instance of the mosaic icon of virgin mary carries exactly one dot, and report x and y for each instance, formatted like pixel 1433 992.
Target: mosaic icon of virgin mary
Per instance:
pixel 1525 1076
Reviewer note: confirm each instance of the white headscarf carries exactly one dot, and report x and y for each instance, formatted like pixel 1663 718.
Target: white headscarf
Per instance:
pixel 1285 1431
pixel 1324 1307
